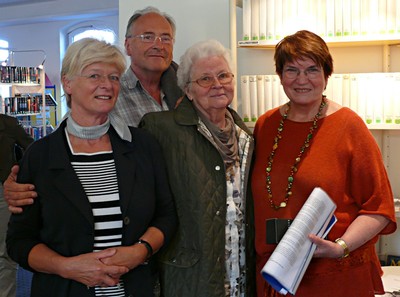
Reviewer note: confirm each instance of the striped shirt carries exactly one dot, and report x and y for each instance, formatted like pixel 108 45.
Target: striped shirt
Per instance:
pixel 98 176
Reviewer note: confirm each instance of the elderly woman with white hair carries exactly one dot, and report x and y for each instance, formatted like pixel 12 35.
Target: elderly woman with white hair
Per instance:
pixel 208 151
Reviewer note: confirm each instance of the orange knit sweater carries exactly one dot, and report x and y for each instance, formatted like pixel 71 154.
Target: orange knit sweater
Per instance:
pixel 345 161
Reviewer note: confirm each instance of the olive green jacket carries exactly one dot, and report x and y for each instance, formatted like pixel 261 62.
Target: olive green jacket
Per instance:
pixel 193 265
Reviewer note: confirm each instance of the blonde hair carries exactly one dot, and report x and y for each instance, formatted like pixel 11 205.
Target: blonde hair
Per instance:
pixel 87 51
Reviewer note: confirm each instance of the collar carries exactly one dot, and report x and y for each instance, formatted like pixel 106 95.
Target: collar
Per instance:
pixel 185 114
pixel 116 122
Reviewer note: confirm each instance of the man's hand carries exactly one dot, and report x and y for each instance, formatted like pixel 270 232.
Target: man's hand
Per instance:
pixel 17 195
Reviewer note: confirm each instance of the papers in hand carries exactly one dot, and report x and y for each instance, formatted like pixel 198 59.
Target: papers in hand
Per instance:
pixel 285 268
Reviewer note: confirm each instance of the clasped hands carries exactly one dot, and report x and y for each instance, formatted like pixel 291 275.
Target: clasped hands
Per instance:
pixel 103 268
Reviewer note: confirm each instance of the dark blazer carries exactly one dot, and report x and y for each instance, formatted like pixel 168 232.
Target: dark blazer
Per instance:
pixel 61 216
pixel 11 134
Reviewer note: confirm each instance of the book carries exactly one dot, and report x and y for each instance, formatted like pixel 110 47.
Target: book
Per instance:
pixel 253 98
pixel 321 18
pixel 245 94
pixel 260 95
pixel 278 25
pixel 382 15
pixel 270 19
pixel 355 17
pixel 268 92
pixel 263 20
pixel 346 90
pixel 276 87
pixel 246 19
pixel 388 98
pixel 396 103
pixel 346 17
pixel 330 18
pixel 338 18
pixel 362 85
pixel 255 19
pixel 364 17
pixel 377 105
pixel 286 267
pixel 354 92
pixel 391 16
pixel 336 82
pixel 397 17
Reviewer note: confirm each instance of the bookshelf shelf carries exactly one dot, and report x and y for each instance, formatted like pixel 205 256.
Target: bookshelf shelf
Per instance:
pixel 393 40
pixel 383 126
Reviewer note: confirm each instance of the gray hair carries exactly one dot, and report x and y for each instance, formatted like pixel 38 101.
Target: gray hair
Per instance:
pixel 202 49
pixel 149 9
pixel 87 51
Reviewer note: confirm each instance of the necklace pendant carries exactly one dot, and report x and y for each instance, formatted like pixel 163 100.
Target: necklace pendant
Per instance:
pixel 281 205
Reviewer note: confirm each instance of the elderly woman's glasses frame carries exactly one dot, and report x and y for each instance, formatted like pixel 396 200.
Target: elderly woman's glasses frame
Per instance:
pixel 207 81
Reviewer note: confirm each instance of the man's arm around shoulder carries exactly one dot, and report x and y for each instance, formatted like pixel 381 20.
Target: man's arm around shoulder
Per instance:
pixel 17 195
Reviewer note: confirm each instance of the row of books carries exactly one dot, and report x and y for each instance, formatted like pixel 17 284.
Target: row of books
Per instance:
pixel 373 96
pixel 26 104
pixel 17 74
pixel 273 19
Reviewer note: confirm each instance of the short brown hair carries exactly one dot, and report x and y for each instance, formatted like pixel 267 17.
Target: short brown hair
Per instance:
pixel 303 44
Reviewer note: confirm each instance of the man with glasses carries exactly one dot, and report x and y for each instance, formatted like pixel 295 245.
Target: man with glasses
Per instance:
pixel 149 84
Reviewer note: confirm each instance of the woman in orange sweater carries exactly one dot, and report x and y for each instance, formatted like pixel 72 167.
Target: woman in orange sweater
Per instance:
pixel 311 142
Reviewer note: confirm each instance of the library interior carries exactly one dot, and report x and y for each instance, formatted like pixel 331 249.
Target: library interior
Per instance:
pixel 363 38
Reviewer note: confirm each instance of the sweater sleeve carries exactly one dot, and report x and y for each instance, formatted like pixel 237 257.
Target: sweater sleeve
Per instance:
pixel 370 184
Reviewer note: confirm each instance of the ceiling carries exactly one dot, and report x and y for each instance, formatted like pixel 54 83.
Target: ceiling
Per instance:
pixel 18 2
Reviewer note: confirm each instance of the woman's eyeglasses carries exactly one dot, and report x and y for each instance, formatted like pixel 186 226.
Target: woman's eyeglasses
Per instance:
pixel 208 80
pixel 293 72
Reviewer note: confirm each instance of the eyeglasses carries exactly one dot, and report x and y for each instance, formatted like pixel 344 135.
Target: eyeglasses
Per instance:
pixel 208 80
pixel 99 78
pixel 151 38
pixel 311 73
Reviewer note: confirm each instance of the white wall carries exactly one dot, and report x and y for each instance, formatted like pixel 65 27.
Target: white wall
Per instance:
pixel 195 20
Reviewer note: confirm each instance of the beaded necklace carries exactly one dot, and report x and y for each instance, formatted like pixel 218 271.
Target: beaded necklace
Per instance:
pixel 297 161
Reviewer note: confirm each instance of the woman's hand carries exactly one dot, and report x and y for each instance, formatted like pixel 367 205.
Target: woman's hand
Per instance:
pixel 89 270
pixel 326 248
pixel 128 256
pixel 360 231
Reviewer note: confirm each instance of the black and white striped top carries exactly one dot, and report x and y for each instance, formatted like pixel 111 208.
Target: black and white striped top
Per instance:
pixel 98 176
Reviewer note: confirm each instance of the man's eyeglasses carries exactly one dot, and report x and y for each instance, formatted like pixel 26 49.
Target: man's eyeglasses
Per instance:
pixel 99 78
pixel 293 72
pixel 151 38
pixel 208 80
